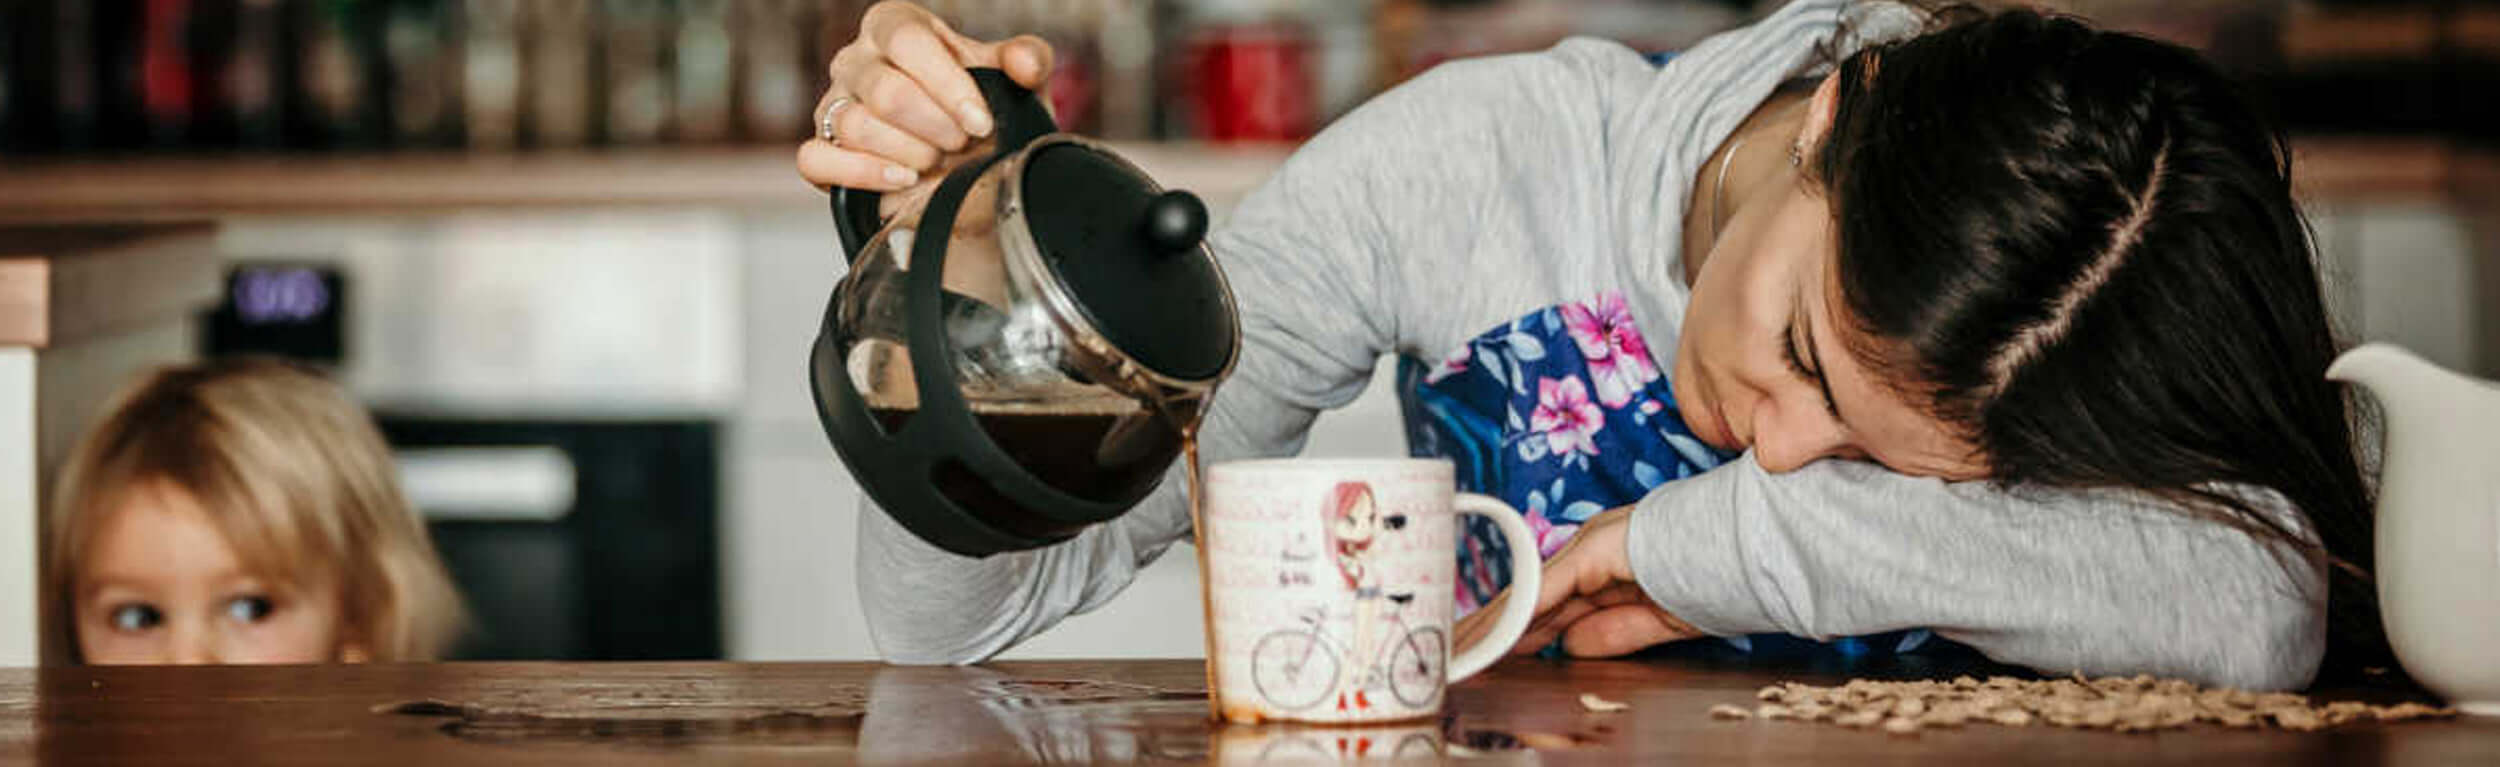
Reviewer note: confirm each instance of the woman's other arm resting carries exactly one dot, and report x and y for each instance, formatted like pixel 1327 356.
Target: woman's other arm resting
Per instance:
pixel 2101 581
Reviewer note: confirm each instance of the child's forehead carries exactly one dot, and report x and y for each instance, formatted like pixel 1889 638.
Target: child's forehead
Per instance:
pixel 150 537
pixel 156 529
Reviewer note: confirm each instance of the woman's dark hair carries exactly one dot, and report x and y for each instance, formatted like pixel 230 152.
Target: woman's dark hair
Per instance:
pixel 2082 244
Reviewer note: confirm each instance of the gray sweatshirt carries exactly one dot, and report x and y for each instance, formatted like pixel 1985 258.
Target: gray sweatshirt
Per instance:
pixel 1491 187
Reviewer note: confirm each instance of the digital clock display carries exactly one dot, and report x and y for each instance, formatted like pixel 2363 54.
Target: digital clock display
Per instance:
pixel 281 296
pixel 288 310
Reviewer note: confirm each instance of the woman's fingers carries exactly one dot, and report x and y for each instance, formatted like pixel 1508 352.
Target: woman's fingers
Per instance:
pixel 920 49
pixel 825 164
pixel 1552 624
pixel 1590 562
pixel 912 104
pixel 899 100
pixel 862 131
pixel 1621 630
pixel 1027 59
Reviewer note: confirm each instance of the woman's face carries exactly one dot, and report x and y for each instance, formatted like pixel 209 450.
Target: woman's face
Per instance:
pixel 159 584
pixel 1762 362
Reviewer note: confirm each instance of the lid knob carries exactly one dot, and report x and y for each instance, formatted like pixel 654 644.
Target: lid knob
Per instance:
pixel 1175 222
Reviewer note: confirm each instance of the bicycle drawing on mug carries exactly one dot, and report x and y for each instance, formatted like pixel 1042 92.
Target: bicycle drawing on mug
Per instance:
pixel 1297 668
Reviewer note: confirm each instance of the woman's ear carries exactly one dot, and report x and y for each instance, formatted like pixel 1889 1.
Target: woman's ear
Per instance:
pixel 1819 112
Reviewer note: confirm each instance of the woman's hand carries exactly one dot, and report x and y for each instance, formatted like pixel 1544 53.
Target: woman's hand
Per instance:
pixel 1590 599
pixel 902 107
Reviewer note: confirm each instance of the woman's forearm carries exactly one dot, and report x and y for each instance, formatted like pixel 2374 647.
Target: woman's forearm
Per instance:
pixel 2105 582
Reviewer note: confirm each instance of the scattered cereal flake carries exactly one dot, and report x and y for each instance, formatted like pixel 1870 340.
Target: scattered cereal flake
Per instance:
pixel 1725 711
pixel 1901 725
pixel 2139 703
pixel 1590 701
pixel 2175 717
pixel 2280 699
pixel 2302 719
pixel 2412 710
pixel 1949 714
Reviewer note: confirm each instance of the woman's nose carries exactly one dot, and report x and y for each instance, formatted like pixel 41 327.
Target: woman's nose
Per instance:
pixel 1791 444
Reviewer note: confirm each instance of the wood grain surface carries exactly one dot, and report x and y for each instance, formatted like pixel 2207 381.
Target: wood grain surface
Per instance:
pixel 1525 711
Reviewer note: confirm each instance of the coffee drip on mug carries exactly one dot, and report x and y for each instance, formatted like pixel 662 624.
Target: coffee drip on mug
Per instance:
pixel 1021 355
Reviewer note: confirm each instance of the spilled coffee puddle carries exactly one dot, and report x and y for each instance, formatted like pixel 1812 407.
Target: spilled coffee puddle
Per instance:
pixel 1458 735
pixel 645 723
pixel 1063 692
pixel 1447 737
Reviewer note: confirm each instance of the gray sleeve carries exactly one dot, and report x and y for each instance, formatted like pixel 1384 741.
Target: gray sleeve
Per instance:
pixel 2100 581
pixel 1313 259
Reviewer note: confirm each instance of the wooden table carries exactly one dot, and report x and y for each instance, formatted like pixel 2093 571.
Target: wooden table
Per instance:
pixel 1523 712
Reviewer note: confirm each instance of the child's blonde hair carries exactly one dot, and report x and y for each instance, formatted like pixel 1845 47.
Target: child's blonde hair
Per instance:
pixel 293 473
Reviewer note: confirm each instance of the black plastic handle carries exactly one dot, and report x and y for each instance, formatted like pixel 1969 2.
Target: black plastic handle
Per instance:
pixel 1019 117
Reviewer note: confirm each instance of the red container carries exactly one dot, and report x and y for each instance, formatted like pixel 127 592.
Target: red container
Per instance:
pixel 1252 83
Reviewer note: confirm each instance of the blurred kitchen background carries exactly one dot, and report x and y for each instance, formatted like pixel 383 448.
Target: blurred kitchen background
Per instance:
pixel 559 247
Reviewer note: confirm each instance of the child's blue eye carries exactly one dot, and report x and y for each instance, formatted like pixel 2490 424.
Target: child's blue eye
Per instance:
pixel 137 617
pixel 249 609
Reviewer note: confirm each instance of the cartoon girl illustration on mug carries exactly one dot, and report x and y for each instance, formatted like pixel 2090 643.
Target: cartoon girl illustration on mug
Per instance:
pixel 1353 522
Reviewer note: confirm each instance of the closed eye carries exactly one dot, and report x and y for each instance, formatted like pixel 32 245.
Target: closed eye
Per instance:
pixel 1798 337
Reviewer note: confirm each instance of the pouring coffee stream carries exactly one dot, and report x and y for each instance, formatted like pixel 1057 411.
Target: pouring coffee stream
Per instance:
pixel 1025 353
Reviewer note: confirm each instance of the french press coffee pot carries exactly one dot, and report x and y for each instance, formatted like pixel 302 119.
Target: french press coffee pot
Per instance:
pixel 1019 356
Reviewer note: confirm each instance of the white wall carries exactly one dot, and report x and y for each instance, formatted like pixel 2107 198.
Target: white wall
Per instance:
pixel 2406 273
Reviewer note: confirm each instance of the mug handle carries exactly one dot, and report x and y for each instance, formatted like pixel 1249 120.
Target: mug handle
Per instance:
pixel 1527 571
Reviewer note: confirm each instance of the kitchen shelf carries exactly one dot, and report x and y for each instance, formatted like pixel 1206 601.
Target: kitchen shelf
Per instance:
pixel 2334 169
pixel 145 188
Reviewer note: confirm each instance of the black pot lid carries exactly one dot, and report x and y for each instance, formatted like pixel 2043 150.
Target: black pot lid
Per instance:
pixel 1130 256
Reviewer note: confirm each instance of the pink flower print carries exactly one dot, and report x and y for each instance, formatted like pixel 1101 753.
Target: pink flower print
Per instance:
pixel 1454 365
pixel 1565 416
pixel 1617 355
pixel 1550 537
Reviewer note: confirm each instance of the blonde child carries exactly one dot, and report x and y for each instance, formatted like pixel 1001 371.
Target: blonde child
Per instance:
pixel 239 512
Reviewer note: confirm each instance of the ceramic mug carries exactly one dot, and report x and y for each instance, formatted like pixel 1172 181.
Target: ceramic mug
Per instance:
pixel 1331 587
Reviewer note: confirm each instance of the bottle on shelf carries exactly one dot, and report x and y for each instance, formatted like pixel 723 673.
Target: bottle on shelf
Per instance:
pixel 490 74
pixel 703 71
pixel 417 45
pixel 634 51
pixel 557 94
pixel 237 79
pixel 777 82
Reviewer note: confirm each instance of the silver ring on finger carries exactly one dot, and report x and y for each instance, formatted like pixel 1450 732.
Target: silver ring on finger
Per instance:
pixel 824 120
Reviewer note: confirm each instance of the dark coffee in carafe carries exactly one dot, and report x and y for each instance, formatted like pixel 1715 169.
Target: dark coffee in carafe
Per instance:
pixel 1102 449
